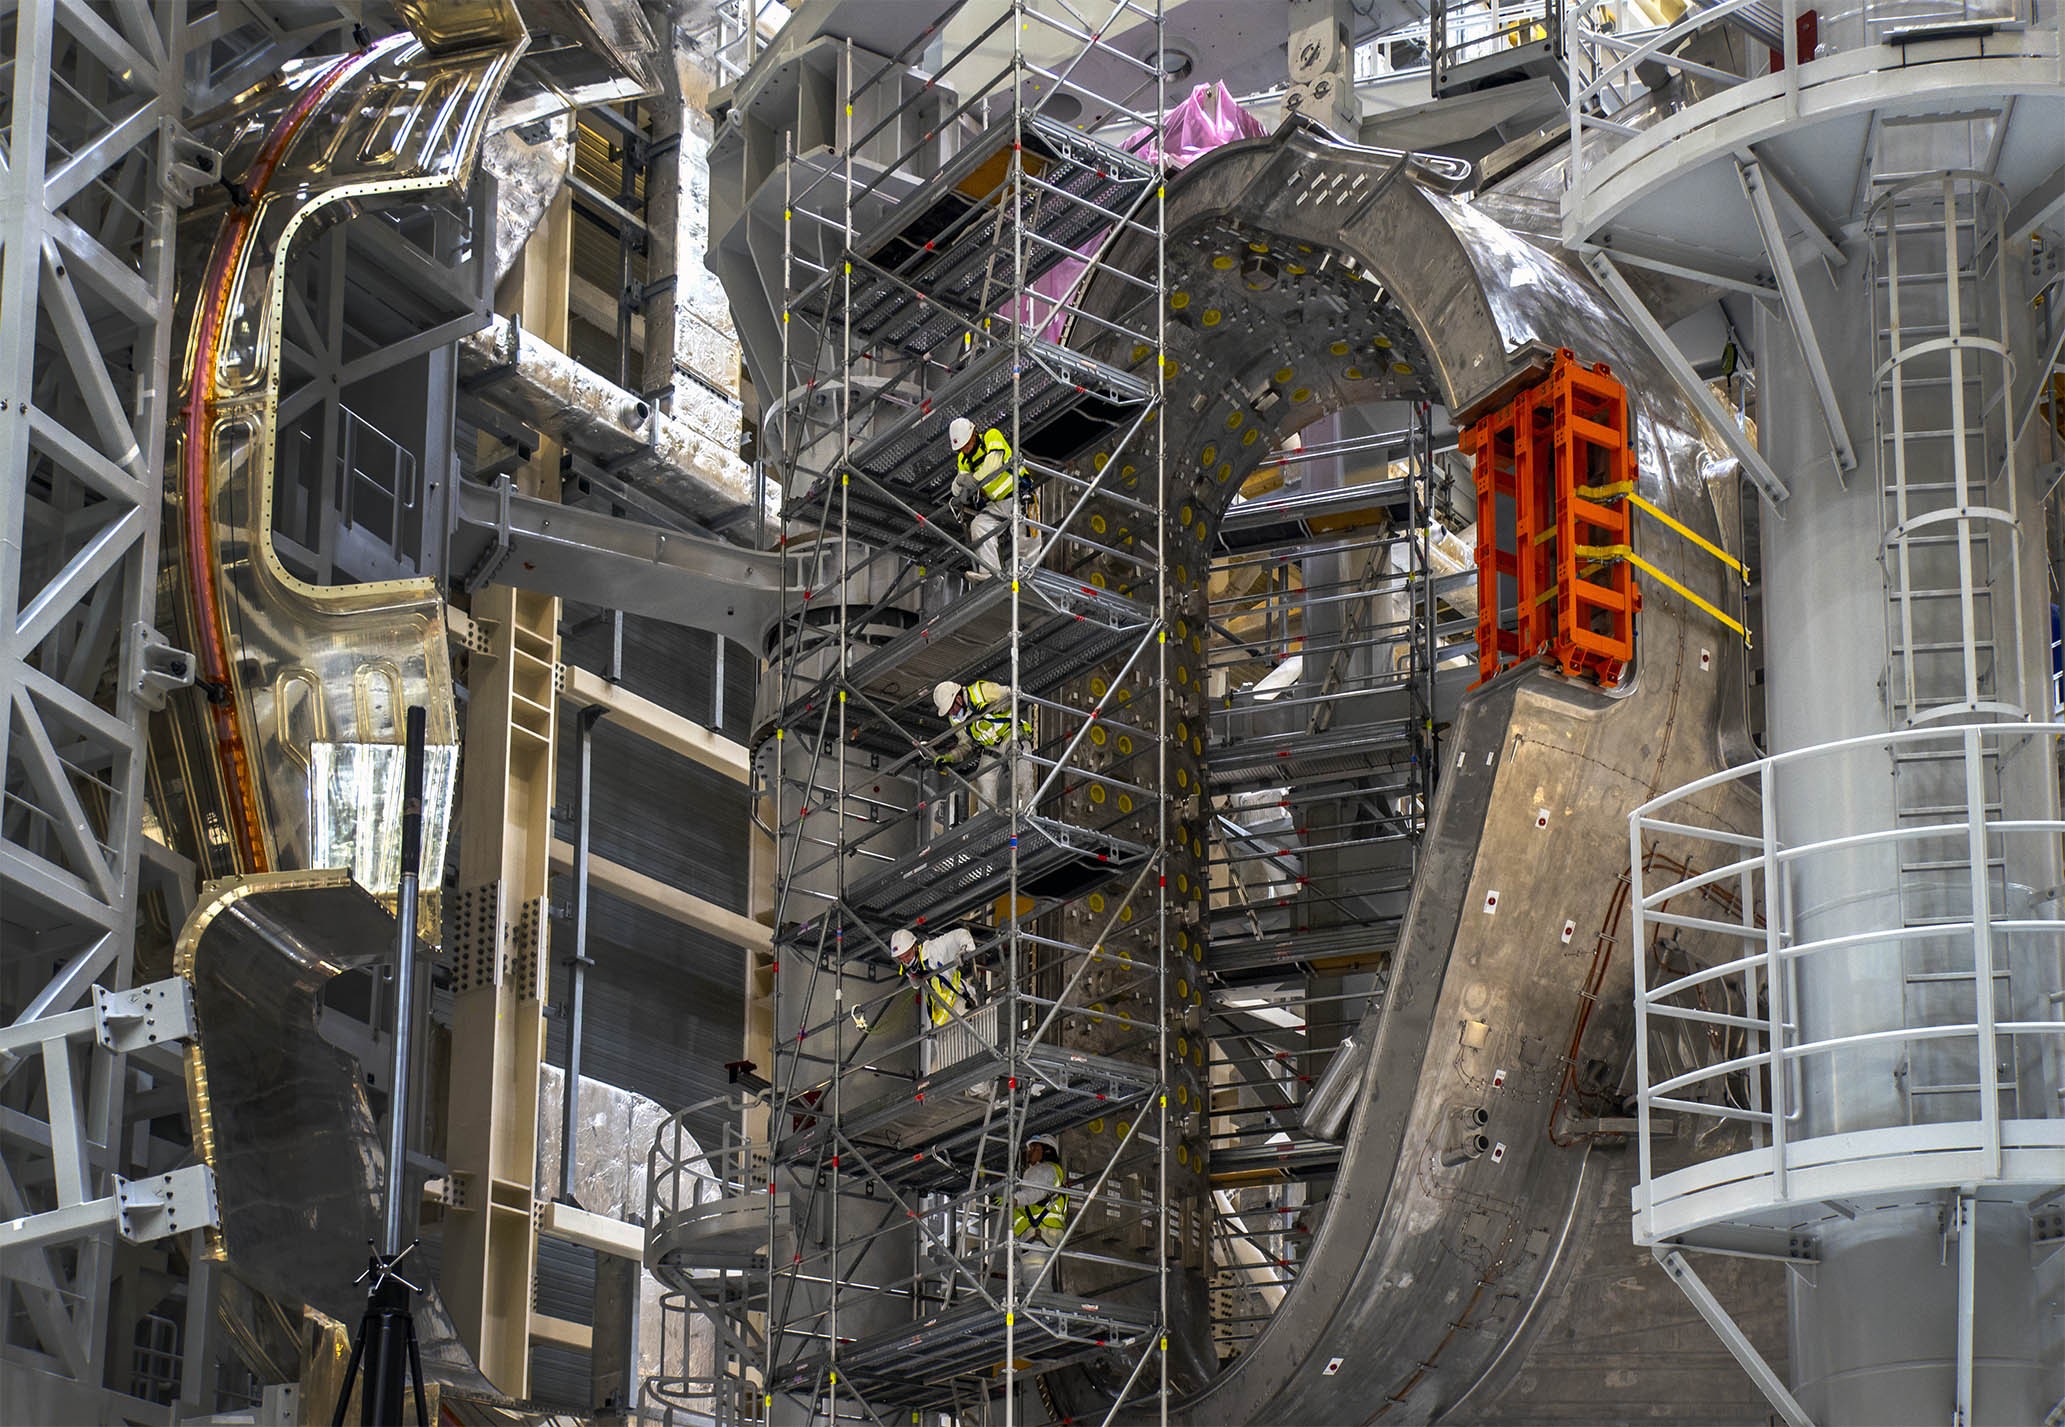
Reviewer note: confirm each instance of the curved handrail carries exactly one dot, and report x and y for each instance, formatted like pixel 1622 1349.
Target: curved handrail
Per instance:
pixel 1765 1048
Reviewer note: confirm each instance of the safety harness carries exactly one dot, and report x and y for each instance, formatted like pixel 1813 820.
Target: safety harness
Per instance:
pixel 941 991
pixel 990 724
pixel 990 467
pixel 1044 1213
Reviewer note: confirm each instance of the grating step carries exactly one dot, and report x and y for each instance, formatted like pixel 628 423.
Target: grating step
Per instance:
pixel 1235 955
pixel 1352 752
pixel 953 1356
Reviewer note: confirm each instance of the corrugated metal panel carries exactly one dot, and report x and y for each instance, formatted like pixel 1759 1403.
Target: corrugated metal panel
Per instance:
pixel 665 1004
pixel 559 1376
pixel 671 666
pixel 662 815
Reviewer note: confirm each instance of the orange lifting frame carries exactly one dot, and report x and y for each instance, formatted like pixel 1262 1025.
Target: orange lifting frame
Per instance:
pixel 1537 594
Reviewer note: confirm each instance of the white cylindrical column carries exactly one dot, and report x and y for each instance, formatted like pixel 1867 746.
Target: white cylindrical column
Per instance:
pixel 1877 1323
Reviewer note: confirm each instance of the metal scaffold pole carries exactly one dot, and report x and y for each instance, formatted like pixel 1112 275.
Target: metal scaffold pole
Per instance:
pixel 1005 843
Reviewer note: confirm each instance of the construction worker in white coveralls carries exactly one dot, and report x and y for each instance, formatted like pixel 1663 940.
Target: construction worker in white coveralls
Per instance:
pixel 934 965
pixel 982 735
pixel 1039 1210
pixel 985 491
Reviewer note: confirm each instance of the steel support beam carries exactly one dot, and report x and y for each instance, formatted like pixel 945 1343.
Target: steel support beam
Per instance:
pixel 1731 1335
pixel 667 901
pixel 1756 188
pixel 505 838
pixel 1967 1232
pixel 88 207
pixel 1723 421
pixel 660 725
pixel 628 565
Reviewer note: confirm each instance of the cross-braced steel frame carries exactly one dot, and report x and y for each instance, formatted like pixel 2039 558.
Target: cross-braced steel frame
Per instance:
pixel 96 167
pixel 892 1280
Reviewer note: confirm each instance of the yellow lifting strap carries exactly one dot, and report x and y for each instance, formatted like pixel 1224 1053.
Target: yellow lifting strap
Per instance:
pixel 1623 552
pixel 1627 488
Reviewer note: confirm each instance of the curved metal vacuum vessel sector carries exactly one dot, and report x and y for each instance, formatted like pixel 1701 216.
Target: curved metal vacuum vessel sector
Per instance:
pixel 284 665
pixel 1308 276
pixel 280 1113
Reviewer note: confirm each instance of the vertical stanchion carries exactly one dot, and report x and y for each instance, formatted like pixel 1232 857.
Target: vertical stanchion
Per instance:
pixel 577 964
pixel 1014 967
pixel 1160 1346
pixel 404 978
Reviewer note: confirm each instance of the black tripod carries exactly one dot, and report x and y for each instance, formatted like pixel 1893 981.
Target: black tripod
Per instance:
pixel 386 1343
pixel 385 1347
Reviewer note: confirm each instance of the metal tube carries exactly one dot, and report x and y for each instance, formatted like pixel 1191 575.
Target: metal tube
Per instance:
pixel 577 965
pixel 404 980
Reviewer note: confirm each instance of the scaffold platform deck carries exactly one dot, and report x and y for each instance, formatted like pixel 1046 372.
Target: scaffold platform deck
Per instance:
pixel 969 865
pixel 1235 954
pixel 940 260
pixel 1357 752
pixel 1067 628
pixel 929 1364
pixel 1066 404
pixel 1295 1158
pixel 935 1135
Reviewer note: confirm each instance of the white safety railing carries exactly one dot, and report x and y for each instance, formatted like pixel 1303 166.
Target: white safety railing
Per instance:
pixel 1461 34
pixel 1856 1036
pixel 971 1034
pixel 1629 66
pixel 707 1342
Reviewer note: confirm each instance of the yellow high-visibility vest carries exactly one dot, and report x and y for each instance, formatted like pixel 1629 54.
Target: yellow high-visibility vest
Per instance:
pixel 990 725
pixel 942 992
pixel 1046 1214
pixel 990 467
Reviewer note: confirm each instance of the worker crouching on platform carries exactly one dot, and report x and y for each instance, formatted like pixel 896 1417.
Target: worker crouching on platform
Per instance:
pixel 1039 1210
pixel 934 966
pixel 986 492
pixel 982 738
pixel 953 992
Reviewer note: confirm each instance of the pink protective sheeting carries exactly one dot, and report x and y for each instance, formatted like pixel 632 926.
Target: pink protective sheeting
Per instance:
pixel 1208 118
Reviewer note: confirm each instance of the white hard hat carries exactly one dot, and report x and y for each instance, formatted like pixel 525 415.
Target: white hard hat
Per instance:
pixel 902 944
pixel 960 431
pixel 1053 1146
pixel 943 695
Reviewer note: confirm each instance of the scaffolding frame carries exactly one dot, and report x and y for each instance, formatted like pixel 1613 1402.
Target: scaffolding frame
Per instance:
pixel 909 332
pixel 98 167
pixel 1351 590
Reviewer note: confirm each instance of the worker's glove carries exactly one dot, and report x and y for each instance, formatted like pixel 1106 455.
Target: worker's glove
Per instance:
pixel 943 761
